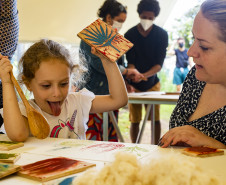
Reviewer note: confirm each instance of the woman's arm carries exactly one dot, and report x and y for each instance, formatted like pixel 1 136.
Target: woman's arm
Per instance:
pixel 118 94
pixel 188 135
pixel 15 124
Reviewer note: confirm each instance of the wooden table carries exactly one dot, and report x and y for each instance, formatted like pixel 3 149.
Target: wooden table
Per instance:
pixel 151 100
pixel 98 152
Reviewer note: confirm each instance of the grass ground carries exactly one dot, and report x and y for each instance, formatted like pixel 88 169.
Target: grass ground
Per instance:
pixel 124 124
pixel 166 79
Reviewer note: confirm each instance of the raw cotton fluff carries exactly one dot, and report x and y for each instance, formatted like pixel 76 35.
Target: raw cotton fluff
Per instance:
pixel 122 171
pixel 173 169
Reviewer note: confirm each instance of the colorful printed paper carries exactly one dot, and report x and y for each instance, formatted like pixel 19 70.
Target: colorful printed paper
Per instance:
pixel 105 39
pixel 93 150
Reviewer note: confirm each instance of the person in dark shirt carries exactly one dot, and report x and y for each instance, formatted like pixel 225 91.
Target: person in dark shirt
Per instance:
pixel 183 62
pixel 9 33
pixel 147 56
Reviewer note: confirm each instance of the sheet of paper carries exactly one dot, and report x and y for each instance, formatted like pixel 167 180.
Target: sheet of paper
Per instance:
pixel 93 150
pixel 146 93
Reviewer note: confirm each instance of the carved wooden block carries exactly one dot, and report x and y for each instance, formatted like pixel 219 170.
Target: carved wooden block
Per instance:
pixel 105 39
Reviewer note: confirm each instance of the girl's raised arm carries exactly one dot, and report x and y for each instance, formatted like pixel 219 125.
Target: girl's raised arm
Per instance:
pixel 117 89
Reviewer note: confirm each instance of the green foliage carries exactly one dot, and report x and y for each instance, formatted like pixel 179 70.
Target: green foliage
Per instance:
pixel 183 27
pixel 166 111
pixel 166 81
pixel 123 122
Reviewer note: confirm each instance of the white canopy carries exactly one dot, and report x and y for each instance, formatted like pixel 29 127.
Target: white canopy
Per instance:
pixel 62 20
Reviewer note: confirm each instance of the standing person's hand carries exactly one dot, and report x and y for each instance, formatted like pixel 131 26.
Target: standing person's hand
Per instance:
pixel 188 136
pixel 134 75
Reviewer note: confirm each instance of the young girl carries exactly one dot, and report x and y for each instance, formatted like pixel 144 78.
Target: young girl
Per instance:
pixel 47 71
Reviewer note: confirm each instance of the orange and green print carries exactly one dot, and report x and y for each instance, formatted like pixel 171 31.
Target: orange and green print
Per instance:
pixel 105 39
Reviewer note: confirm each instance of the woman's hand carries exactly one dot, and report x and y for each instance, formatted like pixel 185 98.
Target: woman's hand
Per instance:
pixel 5 68
pixel 188 136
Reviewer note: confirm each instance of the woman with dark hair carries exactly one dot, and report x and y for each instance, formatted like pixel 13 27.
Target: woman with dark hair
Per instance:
pixel 113 13
pixel 199 119
pixel 9 32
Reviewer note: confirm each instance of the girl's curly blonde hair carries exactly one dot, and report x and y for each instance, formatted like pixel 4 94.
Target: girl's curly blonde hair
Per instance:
pixel 47 49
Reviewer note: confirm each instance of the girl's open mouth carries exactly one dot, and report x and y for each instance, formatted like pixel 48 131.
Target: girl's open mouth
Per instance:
pixel 55 107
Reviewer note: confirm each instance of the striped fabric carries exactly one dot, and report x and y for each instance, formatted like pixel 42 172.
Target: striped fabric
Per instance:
pixel 95 128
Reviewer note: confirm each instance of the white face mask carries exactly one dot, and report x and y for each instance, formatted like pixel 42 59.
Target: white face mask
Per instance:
pixel 117 25
pixel 146 23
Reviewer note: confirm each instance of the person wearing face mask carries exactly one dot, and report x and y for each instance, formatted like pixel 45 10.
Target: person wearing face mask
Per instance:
pixel 147 56
pixel 113 13
pixel 183 61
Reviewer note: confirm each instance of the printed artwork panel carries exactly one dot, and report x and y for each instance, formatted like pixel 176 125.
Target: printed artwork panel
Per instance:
pixel 9 157
pixel 105 39
pixel 8 169
pixel 53 168
pixel 9 145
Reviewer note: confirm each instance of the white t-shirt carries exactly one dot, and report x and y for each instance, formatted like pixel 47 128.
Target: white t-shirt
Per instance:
pixel 72 121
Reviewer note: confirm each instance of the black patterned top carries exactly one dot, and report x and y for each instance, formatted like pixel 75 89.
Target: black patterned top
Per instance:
pixel 9 33
pixel 213 124
pixel 9 27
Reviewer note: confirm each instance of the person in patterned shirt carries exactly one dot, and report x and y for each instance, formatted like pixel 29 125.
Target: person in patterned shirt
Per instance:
pixel 9 32
pixel 199 118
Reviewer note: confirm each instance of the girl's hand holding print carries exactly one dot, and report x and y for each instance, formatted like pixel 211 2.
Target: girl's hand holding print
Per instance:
pixel 118 94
